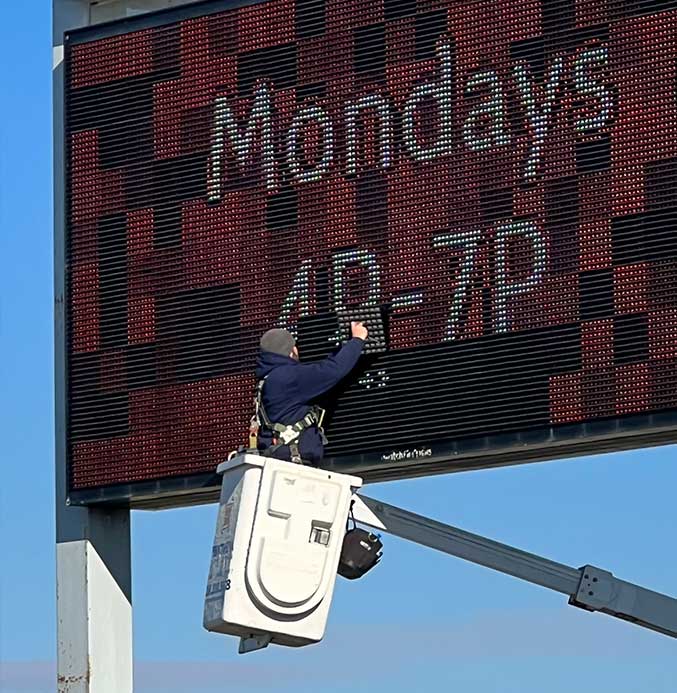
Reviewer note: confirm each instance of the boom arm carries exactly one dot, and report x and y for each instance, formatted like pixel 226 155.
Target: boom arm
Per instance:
pixel 588 587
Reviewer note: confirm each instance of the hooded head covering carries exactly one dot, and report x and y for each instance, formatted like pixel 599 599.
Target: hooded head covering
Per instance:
pixel 278 341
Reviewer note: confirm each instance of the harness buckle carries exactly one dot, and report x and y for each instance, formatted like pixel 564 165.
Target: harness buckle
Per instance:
pixel 288 435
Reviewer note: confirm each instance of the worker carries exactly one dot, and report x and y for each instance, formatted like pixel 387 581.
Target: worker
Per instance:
pixel 286 424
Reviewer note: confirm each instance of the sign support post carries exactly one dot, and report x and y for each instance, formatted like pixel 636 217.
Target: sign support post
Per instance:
pixel 93 557
pixel 94 607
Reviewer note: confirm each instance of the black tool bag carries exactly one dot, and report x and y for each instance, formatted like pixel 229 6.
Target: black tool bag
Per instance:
pixel 360 553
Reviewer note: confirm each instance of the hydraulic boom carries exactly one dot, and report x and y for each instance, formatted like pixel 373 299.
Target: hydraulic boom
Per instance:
pixel 588 587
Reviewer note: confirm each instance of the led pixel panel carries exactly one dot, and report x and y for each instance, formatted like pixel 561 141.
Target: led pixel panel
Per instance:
pixel 497 179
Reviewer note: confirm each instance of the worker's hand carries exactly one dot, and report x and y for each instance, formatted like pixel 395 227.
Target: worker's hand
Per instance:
pixel 358 330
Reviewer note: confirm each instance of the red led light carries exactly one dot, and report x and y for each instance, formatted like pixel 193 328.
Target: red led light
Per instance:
pixel 499 181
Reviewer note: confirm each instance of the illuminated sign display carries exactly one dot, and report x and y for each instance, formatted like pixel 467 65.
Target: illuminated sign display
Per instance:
pixel 494 181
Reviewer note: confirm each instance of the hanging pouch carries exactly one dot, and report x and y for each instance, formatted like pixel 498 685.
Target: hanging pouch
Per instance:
pixel 361 551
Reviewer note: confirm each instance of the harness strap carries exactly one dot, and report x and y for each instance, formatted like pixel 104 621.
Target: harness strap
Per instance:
pixel 289 434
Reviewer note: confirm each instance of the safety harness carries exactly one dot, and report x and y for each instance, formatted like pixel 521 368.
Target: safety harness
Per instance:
pixel 283 434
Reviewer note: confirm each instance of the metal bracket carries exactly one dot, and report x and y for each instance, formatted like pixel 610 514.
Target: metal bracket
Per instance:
pixel 254 642
pixel 595 590
pixel 599 590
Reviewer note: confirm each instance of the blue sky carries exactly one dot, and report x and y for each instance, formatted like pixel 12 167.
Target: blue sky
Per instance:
pixel 420 622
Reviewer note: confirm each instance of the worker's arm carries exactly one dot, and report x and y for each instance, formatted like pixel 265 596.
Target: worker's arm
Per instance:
pixel 316 378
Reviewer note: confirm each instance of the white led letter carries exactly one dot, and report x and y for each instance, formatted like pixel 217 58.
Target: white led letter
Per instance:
pixel 380 104
pixel 366 259
pixel 469 243
pixel 506 231
pixel 485 126
pixel 305 115
pixel 538 115
pixel 298 294
pixel 226 127
pixel 442 92
pixel 587 85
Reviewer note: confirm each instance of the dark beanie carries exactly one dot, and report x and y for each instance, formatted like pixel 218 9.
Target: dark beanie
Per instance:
pixel 278 341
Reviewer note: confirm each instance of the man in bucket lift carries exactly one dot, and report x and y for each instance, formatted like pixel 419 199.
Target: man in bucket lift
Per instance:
pixel 286 425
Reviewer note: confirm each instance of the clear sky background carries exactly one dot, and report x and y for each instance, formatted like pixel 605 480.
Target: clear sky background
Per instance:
pixel 420 622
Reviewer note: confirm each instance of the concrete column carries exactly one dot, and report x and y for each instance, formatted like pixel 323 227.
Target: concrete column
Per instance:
pixel 94 605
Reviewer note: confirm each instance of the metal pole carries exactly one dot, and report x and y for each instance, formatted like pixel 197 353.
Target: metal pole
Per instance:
pixel 94 606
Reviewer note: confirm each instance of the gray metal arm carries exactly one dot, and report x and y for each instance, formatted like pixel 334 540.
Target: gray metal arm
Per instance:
pixel 588 587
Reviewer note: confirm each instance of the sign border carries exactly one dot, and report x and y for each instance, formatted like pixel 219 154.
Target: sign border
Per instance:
pixel 153 19
pixel 612 434
pixel 488 452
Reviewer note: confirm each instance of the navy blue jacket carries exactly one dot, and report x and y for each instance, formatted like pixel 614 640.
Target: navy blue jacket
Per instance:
pixel 291 387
